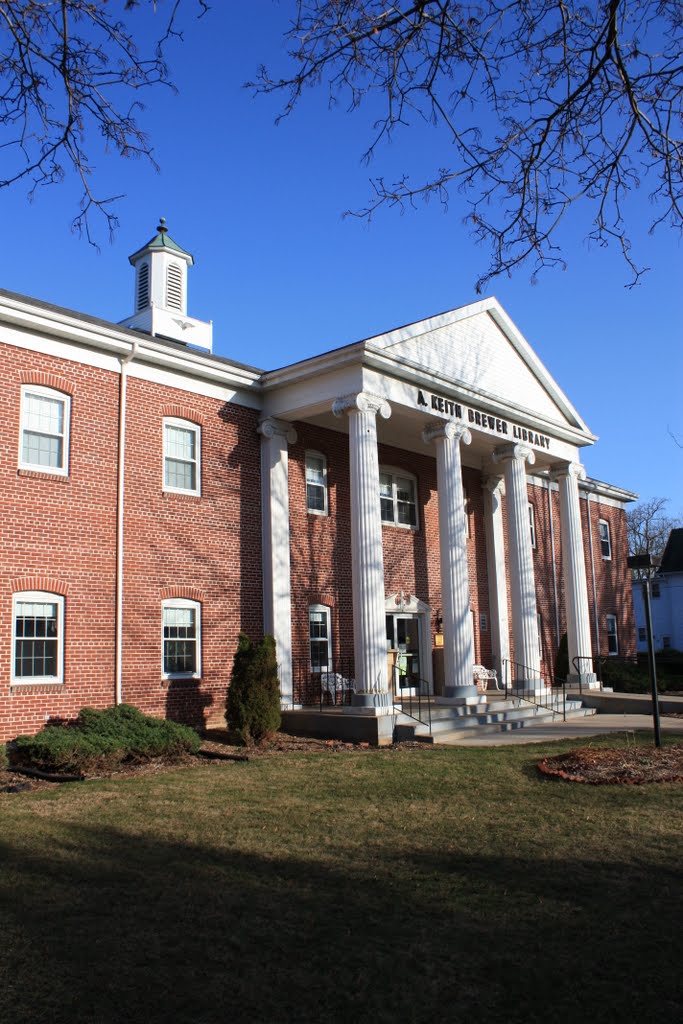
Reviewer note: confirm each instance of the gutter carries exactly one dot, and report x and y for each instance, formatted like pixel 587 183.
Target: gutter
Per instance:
pixel 123 382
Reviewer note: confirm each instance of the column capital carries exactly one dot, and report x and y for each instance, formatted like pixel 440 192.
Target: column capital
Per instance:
pixel 362 401
pixel 492 483
pixel 270 427
pixel 519 452
pixel 571 469
pixel 449 430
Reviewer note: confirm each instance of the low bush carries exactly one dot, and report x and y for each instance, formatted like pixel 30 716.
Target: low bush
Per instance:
pixel 253 704
pixel 3 756
pixel 103 739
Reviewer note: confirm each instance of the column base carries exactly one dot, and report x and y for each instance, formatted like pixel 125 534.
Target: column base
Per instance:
pixel 370 704
pixel 587 679
pixel 534 687
pixel 459 695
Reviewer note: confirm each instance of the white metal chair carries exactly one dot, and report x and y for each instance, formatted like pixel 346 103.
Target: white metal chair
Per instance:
pixel 334 683
pixel 483 677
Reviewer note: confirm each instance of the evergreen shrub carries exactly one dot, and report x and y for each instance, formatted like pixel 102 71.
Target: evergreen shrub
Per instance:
pixel 104 739
pixel 253 704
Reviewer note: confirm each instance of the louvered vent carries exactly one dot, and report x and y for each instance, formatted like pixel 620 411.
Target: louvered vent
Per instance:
pixel 143 286
pixel 174 287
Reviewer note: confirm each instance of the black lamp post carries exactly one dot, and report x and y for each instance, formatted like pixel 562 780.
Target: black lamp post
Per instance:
pixel 644 570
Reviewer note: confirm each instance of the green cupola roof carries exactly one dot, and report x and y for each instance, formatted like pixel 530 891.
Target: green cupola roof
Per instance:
pixel 162 242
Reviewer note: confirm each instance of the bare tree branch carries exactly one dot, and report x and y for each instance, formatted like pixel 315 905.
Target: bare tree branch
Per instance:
pixel 649 527
pixel 542 105
pixel 69 70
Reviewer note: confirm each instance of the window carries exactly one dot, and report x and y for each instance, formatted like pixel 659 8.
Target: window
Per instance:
pixel 38 640
pixel 181 637
pixel 44 430
pixel 484 622
pixel 642 634
pixel 539 627
pixel 612 640
pixel 397 499
pixel 655 589
pixel 316 483
pixel 320 637
pixel 532 527
pixel 182 444
pixel 605 544
pixel 466 509
pixel 666 643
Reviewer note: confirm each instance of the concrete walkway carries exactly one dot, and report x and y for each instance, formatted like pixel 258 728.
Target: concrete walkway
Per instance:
pixel 584 729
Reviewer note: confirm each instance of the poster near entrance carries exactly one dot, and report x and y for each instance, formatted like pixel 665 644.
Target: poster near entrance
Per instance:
pixel 403 637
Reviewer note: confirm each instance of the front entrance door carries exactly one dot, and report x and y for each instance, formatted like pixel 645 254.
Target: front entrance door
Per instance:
pixel 403 636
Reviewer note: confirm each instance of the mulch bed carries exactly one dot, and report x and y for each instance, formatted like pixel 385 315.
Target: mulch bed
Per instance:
pixel 631 766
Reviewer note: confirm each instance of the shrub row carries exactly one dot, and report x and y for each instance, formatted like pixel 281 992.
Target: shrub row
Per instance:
pixel 103 740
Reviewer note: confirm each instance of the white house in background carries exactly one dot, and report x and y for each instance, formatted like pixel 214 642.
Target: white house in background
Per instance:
pixel 667 600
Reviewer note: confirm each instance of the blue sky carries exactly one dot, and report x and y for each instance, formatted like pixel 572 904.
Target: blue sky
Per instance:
pixel 283 275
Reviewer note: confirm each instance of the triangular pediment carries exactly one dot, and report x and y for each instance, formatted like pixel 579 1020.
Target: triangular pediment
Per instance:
pixel 477 347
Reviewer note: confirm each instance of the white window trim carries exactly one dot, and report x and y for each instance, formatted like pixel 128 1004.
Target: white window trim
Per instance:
pixel 539 630
pixel 532 524
pixel 604 522
pixel 612 654
pixel 183 602
pixel 55 395
pixel 316 455
pixel 173 421
pixel 327 611
pixel 43 597
pixel 393 472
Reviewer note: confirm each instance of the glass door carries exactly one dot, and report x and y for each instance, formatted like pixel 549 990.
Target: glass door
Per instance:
pixel 403 637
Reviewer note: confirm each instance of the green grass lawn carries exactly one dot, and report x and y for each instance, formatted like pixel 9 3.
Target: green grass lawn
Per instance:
pixel 370 886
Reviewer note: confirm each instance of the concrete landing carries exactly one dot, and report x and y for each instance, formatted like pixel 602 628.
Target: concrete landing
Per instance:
pixel 582 729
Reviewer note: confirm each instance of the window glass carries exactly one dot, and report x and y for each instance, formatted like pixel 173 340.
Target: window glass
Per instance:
pixel 180 626
pixel 397 499
pixel 532 527
pixel 37 637
pixel 181 456
pixel 612 640
pixel 605 546
pixel 43 429
pixel 642 634
pixel 319 637
pixel 316 482
pixel 655 589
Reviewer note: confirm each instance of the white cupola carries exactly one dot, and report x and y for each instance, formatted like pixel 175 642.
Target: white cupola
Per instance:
pixel 160 297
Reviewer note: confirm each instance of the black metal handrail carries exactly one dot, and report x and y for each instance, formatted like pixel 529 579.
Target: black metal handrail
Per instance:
pixel 325 686
pixel 606 667
pixel 415 705
pixel 594 664
pixel 518 682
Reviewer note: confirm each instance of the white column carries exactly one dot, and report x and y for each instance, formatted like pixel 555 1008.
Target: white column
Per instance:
pixel 277 601
pixel 367 557
pixel 527 660
pixel 458 642
pixel 495 564
pixel 574 570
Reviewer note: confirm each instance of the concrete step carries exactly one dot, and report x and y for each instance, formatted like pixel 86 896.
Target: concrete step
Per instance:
pixel 470 721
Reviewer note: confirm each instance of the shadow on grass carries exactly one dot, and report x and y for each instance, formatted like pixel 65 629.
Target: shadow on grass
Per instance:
pixel 111 927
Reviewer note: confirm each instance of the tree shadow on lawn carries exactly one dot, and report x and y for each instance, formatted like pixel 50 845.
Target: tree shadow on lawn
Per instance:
pixel 112 927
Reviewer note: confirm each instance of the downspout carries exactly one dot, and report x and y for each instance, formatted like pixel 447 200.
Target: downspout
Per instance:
pixel 554 566
pixel 118 679
pixel 595 593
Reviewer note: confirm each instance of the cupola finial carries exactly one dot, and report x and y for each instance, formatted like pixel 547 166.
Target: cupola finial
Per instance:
pixel 162 229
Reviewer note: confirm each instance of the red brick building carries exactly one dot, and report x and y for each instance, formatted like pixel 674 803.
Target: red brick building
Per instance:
pixel 419 492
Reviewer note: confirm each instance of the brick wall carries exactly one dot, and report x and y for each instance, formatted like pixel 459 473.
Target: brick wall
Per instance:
pixel 59 535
